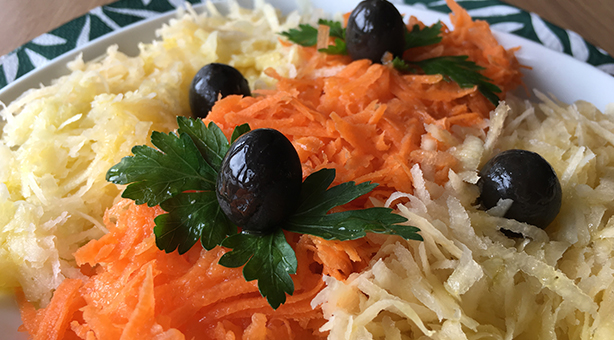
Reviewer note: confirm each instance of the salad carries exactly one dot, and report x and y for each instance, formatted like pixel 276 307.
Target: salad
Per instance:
pixel 391 232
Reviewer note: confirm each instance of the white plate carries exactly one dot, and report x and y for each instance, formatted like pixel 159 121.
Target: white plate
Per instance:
pixel 558 74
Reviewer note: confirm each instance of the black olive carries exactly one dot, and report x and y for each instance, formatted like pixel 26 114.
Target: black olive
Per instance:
pixel 259 182
pixel 527 179
pixel 211 81
pixel 374 28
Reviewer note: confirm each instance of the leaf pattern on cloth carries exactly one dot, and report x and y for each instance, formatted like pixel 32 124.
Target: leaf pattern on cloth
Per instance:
pixel 507 27
pixel 579 49
pixel 105 19
pixel 494 11
pixel 547 37
pixel 48 39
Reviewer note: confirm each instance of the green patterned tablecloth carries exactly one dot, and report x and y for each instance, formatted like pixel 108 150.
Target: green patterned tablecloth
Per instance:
pixel 105 19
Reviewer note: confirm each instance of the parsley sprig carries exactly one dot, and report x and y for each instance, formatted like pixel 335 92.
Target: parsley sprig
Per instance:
pixel 179 174
pixel 459 69
pixel 316 200
pixel 462 71
pixel 304 35
pixel 157 175
pixel 307 35
pixel 428 35
pixel 268 259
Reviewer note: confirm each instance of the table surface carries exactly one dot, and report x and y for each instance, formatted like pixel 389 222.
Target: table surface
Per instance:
pixel 23 20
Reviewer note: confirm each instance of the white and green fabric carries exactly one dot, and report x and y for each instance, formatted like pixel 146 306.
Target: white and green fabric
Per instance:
pixel 105 19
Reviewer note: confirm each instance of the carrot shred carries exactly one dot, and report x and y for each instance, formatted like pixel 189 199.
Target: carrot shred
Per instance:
pixel 53 321
pixel 367 121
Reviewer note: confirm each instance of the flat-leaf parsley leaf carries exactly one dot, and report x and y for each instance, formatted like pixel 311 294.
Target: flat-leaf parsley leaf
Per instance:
pixel 418 37
pixel 191 215
pixel 462 71
pixel 338 48
pixel 239 131
pixel 266 258
pixel 307 35
pixel 209 140
pixel 317 199
pixel 157 175
pixel 304 35
pixel 336 30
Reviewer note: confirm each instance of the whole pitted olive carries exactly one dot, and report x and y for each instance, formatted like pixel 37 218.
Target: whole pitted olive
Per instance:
pixel 211 81
pixel 527 179
pixel 259 182
pixel 374 28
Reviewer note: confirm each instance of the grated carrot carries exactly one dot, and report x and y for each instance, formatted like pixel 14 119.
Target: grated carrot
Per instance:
pixel 139 292
pixel 367 120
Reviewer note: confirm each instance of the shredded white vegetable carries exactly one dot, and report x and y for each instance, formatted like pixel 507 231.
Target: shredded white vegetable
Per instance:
pixel 467 280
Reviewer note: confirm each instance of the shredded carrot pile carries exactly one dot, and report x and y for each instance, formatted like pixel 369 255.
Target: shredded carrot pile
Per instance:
pixel 365 120
pixel 132 290
pixel 368 120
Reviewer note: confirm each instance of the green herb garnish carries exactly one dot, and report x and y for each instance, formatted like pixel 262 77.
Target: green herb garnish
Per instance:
pixel 338 48
pixel 304 35
pixel 423 37
pixel 268 259
pixel 180 174
pixel 191 216
pixel 336 30
pixel 307 35
pixel 316 200
pixel 462 71
pixel 402 65
pixel 155 175
pixel 454 68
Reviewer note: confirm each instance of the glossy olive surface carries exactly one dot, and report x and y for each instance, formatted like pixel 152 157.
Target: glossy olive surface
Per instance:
pixel 374 28
pixel 211 81
pixel 259 182
pixel 527 179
